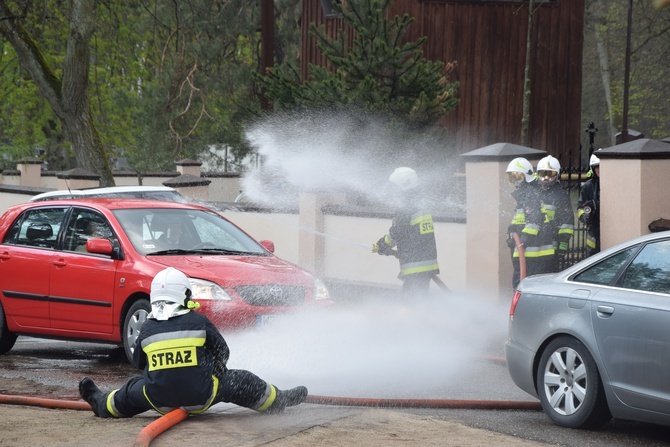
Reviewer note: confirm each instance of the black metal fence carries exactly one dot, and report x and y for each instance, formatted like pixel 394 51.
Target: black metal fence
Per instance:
pixel 572 178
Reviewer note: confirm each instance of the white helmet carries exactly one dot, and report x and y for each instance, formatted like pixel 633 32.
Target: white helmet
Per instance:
pixel 404 178
pixel 594 161
pixel 520 169
pixel 170 294
pixel 548 169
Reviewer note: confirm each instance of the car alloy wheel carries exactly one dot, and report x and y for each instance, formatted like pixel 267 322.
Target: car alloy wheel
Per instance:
pixel 569 385
pixel 136 316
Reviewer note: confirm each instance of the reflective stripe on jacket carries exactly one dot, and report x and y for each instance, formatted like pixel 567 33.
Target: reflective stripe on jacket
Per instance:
pixel 181 357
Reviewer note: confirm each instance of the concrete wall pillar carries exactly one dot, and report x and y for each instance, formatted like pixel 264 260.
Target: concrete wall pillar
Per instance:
pixel 193 187
pixel 188 167
pixel 196 192
pixel 489 212
pixel 633 189
pixel 31 172
pixel 311 244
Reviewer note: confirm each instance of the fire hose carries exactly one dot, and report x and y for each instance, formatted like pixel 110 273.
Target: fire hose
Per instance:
pixel 169 420
pixel 522 256
pixel 436 279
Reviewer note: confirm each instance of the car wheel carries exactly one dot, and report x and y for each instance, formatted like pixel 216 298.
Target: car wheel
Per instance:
pixel 136 315
pixel 7 339
pixel 569 385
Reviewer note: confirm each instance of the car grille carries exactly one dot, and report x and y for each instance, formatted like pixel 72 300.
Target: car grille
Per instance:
pixel 272 295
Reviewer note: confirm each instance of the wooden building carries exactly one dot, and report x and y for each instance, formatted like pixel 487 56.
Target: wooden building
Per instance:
pixel 487 39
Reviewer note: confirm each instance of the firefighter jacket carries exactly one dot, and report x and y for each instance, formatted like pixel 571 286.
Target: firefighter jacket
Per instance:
pixel 527 217
pixel 588 211
pixel 557 222
pixel 183 358
pixel 413 234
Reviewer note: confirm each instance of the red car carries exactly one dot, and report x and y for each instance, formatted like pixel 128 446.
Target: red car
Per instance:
pixel 81 269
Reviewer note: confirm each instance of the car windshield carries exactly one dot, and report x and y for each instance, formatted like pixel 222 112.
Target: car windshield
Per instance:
pixel 169 231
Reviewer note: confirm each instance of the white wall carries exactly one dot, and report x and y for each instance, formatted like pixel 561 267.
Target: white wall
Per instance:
pixel 348 246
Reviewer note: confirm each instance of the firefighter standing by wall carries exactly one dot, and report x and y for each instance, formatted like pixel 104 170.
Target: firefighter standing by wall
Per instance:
pixel 413 234
pixel 527 218
pixel 588 207
pixel 557 227
pixel 184 360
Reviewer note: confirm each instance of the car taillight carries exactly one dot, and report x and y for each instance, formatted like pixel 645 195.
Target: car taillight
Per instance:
pixel 515 300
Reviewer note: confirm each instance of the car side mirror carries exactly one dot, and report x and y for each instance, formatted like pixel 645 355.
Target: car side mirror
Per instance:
pixel 268 245
pixel 99 246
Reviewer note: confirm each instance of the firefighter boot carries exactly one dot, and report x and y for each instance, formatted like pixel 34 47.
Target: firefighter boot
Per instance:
pixel 287 398
pixel 92 394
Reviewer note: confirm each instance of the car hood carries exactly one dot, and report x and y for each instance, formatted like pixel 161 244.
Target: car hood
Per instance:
pixel 231 271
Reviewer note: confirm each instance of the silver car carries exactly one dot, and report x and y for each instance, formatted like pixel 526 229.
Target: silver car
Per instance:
pixel 593 342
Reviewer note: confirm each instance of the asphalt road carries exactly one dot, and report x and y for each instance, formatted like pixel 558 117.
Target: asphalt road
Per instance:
pixel 57 366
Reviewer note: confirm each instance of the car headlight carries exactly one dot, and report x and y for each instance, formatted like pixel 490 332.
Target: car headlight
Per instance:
pixel 320 290
pixel 207 290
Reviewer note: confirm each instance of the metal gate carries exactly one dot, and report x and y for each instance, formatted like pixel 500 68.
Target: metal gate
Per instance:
pixel 572 178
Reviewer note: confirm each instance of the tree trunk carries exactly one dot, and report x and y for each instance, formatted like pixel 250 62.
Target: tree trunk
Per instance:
pixel 68 96
pixel 525 116
pixel 604 68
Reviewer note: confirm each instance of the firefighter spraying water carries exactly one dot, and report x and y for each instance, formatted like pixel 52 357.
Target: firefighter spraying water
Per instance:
pixel 412 233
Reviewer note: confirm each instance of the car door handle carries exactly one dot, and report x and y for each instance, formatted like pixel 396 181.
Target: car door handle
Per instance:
pixel 60 263
pixel 5 256
pixel 605 311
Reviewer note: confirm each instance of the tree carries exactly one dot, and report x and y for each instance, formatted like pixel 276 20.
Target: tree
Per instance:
pixel 604 76
pixel 166 79
pixel 525 115
pixel 67 94
pixel 377 70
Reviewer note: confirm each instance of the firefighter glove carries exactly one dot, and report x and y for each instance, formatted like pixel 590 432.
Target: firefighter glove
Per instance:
pixel 382 248
pixel 510 241
pixel 562 247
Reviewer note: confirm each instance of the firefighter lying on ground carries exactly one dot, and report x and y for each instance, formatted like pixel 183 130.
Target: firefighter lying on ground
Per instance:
pixel 184 360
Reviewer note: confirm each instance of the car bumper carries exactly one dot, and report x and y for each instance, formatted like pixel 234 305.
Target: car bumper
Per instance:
pixel 520 366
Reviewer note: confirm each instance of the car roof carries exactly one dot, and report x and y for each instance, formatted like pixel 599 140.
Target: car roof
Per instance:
pixel 113 203
pixel 66 193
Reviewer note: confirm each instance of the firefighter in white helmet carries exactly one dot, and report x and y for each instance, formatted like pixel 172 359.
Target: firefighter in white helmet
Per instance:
pixel 552 241
pixel 527 218
pixel 411 234
pixel 588 206
pixel 184 359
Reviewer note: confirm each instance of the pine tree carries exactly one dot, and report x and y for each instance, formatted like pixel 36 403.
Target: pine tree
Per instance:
pixel 376 71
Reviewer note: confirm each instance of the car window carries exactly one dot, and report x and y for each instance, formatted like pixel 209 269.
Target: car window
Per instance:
pixel 605 271
pixel 85 224
pixel 36 228
pixel 650 270
pixel 158 229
